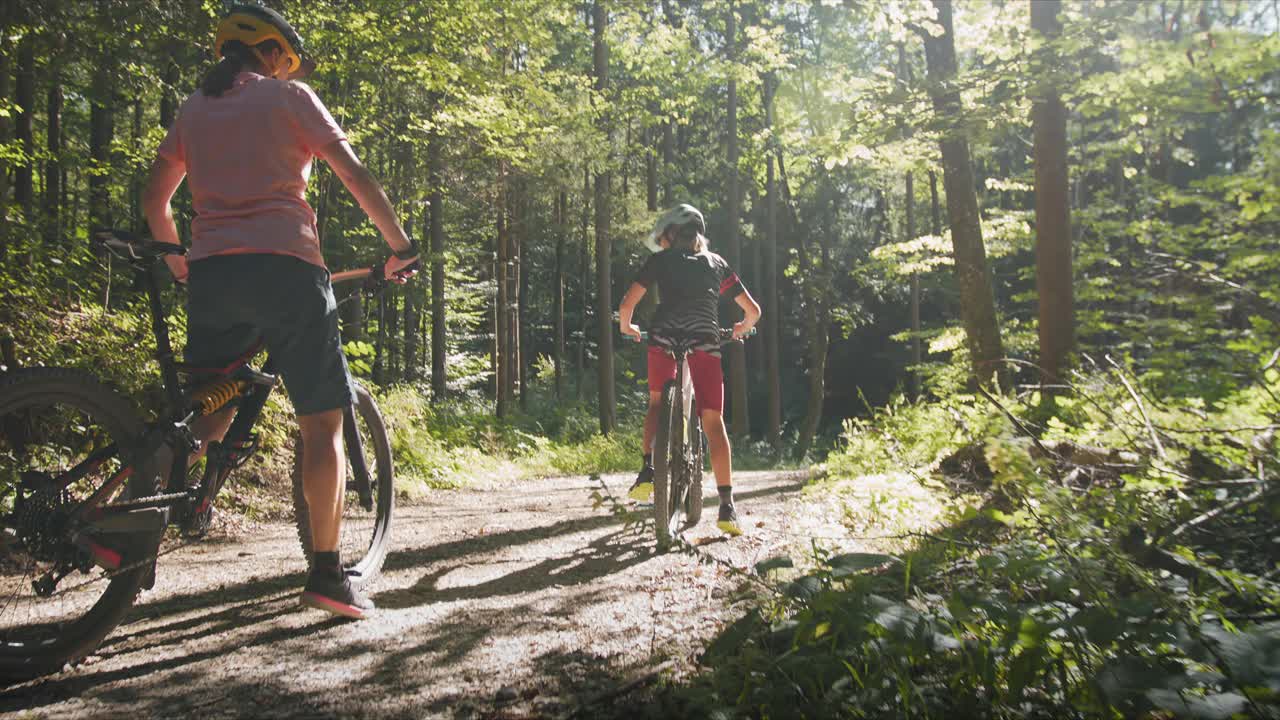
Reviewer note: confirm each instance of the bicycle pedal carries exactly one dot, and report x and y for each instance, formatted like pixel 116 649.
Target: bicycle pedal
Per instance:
pixel 197 524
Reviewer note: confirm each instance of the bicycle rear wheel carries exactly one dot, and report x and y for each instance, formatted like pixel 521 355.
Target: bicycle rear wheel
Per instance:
pixel 366 531
pixel 51 421
pixel 667 500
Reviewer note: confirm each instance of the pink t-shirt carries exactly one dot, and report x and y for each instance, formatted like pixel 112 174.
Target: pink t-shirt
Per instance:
pixel 248 155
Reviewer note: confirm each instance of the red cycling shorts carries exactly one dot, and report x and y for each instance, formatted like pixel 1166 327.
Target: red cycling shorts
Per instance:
pixel 708 376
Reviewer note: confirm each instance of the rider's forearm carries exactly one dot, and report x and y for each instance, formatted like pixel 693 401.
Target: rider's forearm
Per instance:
pixel 377 206
pixel 750 309
pixel 628 306
pixel 163 227
pixel 165 179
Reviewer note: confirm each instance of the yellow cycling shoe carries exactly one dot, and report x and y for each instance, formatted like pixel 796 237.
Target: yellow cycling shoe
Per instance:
pixel 642 491
pixel 728 521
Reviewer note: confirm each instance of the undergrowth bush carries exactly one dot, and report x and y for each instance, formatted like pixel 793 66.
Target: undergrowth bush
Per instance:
pixel 1121 562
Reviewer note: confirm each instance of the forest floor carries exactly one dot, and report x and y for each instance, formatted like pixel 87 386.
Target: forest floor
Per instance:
pixel 520 599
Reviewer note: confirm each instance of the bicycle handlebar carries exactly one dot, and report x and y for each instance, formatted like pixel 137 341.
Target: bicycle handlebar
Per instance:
pixel 372 276
pixel 726 335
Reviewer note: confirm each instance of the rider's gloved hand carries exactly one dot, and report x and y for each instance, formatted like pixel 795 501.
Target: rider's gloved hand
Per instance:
pixel 178 266
pixel 399 270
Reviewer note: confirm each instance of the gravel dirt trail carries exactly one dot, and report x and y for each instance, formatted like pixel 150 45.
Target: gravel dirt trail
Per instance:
pixel 521 599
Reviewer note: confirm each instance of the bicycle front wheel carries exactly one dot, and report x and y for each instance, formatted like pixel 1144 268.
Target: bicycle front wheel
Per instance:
pixel 666 467
pixel 693 506
pixel 368 498
pixel 63 435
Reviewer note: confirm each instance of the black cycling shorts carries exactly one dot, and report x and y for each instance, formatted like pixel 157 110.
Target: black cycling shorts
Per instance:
pixel 233 300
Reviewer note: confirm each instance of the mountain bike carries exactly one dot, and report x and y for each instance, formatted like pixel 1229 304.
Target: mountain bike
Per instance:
pixel 679 444
pixel 87 489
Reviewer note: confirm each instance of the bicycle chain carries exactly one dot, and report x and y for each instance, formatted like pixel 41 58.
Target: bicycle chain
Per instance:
pixel 109 574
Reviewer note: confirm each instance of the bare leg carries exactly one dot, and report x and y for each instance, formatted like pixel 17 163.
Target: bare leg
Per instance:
pixel 323 476
pixel 718 440
pixel 651 420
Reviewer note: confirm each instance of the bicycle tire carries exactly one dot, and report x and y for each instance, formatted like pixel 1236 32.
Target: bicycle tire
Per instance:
pixel 22 392
pixel 662 466
pixel 693 506
pixel 373 536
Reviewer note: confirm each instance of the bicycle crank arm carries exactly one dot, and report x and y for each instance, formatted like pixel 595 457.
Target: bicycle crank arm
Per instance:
pixel 123 537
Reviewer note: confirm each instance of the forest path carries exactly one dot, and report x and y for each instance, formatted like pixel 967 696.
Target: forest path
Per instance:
pixel 517 600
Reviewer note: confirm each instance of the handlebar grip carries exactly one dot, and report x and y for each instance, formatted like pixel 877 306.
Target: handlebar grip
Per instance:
pixel 412 267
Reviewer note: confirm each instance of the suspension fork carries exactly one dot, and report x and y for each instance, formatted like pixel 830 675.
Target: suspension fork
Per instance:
pixel 355 452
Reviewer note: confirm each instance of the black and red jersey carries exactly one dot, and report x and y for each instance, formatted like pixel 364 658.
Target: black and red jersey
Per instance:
pixel 690 286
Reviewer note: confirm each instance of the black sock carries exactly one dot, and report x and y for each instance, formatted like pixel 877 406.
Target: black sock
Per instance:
pixel 726 494
pixel 648 460
pixel 328 561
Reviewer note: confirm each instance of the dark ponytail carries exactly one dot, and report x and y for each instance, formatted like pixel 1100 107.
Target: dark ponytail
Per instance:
pixel 236 58
pixel 688 237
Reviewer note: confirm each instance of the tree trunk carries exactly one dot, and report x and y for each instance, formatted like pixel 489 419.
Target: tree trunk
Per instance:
pixel 584 299
pixel 6 71
pixel 604 254
pixel 562 229
pixel 740 423
pixel 977 300
pixel 439 347
pixel 668 161
pixel 520 332
pixel 168 103
pixel 1053 213
pixel 502 333
pixel 772 326
pixel 650 170
pixel 411 295
pixel 24 177
pixel 380 343
pixel 909 210
pixel 101 132
pixel 392 317
pixel 53 166
pixel 917 352
pixel 136 181
pixel 817 329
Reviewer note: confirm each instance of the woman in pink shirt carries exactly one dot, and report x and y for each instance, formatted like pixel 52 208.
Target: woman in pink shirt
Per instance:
pixel 245 142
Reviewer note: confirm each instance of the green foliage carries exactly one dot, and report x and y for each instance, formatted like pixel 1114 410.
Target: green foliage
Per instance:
pixel 1088 576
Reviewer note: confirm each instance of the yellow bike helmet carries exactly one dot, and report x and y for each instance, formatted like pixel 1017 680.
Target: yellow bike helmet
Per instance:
pixel 254 24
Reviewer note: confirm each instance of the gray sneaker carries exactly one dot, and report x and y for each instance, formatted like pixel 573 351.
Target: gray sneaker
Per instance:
pixel 329 589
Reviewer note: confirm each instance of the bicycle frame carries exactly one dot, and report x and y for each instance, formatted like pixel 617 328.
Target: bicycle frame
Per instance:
pixel 172 430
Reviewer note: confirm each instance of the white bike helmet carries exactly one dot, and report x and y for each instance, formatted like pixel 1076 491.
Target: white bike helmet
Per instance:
pixel 682 214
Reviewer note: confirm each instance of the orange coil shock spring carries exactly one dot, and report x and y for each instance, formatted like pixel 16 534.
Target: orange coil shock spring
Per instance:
pixel 214 397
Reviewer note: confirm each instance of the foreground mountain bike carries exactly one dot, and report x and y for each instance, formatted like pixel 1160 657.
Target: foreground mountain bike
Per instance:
pixel 679 445
pixel 87 488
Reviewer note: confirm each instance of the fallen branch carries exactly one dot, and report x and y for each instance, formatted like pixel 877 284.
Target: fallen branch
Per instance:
pixel 1053 468
pixel 1141 408
pixel 1208 515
